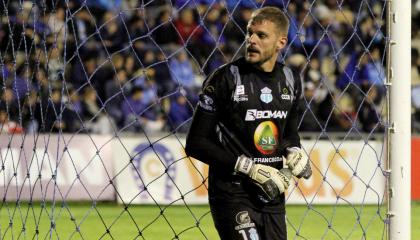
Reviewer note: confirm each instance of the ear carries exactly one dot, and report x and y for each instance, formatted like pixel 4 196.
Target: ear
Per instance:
pixel 281 43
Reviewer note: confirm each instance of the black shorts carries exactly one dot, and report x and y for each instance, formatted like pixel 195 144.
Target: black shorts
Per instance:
pixel 236 221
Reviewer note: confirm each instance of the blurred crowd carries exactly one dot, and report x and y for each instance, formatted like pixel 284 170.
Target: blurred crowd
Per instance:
pixel 137 66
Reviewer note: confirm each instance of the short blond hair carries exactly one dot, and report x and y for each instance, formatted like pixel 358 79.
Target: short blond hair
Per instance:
pixel 274 15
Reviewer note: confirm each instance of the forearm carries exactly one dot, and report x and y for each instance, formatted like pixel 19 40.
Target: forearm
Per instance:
pixel 291 135
pixel 201 143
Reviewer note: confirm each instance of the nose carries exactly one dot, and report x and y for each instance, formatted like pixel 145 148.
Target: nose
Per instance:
pixel 251 39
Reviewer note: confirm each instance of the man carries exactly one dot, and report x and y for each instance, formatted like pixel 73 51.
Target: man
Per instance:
pixel 245 122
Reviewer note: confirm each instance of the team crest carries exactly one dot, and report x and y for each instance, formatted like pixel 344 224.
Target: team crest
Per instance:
pixel 266 95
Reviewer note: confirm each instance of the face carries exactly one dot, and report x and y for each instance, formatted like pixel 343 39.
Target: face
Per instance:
pixel 263 43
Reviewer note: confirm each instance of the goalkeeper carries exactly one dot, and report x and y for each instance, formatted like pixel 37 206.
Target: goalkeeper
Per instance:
pixel 244 126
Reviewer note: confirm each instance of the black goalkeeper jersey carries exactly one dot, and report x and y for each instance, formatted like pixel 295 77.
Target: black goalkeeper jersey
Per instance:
pixel 243 110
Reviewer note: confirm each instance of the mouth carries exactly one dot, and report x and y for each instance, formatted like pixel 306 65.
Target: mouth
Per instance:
pixel 252 50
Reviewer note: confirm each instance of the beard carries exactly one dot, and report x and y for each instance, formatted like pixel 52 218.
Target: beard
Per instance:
pixel 263 57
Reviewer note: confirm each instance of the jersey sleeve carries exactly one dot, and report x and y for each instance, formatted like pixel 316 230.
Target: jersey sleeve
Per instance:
pixel 202 141
pixel 291 135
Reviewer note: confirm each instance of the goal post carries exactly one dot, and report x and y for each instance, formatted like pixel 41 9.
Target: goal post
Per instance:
pixel 399 129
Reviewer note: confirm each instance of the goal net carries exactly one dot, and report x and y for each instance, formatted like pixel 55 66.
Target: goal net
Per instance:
pixel 97 96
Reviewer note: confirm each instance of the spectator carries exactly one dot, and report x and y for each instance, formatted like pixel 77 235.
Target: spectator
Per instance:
pixel 55 65
pixel 165 34
pixel 165 83
pixel 87 73
pixel 332 116
pixel 42 85
pixel 94 117
pixel 190 33
pixel 179 113
pixel 9 103
pixel 7 126
pixel 55 117
pixel 415 67
pixel 29 120
pixel 75 102
pixel 116 91
pixel 148 84
pixel 340 44
pixel 117 62
pixel 355 71
pixel 308 110
pixel 138 32
pixel 130 65
pixel 182 72
pixel 375 71
pixel 369 114
pixel 56 24
pixel 187 27
pixel 138 117
pixel 211 37
pixel 112 35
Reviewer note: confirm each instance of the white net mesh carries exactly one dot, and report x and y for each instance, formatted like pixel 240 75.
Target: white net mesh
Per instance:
pixel 96 98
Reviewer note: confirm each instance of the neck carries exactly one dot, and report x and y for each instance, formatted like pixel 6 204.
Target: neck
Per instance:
pixel 267 66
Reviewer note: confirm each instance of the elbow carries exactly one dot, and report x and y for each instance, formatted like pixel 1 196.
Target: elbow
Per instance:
pixel 194 148
pixel 190 148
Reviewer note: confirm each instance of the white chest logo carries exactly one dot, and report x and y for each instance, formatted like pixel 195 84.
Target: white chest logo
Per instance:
pixel 240 90
pixel 266 95
pixel 240 95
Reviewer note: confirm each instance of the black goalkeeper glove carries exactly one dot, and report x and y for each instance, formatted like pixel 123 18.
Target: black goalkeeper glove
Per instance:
pixel 270 181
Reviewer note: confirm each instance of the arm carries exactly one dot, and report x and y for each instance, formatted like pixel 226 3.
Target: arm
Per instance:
pixel 296 158
pixel 291 135
pixel 201 139
pixel 200 143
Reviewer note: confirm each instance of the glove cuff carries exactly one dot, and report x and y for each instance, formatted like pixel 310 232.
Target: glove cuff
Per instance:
pixel 293 149
pixel 244 165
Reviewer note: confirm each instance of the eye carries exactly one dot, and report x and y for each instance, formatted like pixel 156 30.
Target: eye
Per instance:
pixel 262 35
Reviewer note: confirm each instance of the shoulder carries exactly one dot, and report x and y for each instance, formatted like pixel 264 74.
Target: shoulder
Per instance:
pixel 293 79
pixel 228 67
pixel 224 75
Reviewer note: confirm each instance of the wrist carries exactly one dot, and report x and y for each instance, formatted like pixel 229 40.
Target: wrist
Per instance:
pixel 244 165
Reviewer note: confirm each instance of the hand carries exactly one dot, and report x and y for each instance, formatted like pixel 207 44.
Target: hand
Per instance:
pixel 298 162
pixel 271 181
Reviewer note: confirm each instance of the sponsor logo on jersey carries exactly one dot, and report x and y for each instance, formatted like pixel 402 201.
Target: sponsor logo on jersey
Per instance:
pixel 254 114
pixel 240 95
pixel 267 159
pixel 266 137
pixel 209 89
pixel 266 95
pixel 285 95
pixel 243 217
pixel 240 98
pixel 240 90
pixel 244 221
pixel 206 102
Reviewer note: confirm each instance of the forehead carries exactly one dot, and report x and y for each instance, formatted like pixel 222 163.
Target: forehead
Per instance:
pixel 263 26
